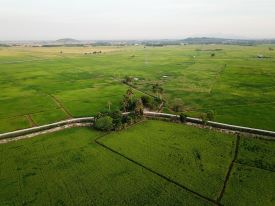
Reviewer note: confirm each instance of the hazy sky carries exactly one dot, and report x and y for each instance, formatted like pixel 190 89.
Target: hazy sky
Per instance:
pixel 135 19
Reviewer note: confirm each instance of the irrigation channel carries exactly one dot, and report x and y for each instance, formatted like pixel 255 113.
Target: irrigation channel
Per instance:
pixel 88 121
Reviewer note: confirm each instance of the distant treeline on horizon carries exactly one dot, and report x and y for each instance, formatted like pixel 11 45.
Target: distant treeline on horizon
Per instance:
pixel 154 43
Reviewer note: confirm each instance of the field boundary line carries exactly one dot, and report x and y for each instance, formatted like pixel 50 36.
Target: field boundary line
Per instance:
pixel 60 105
pixel 154 172
pixel 129 85
pixel 236 151
pixel 23 115
pixel 31 121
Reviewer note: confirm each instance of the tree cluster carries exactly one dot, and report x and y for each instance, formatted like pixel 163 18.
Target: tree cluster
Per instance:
pixel 116 120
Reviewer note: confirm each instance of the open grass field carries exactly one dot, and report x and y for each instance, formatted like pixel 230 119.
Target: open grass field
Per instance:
pixel 69 168
pixel 152 163
pixel 46 85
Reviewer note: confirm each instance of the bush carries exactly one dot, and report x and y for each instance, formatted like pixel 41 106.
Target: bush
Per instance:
pixel 104 123
pixel 117 119
pixel 138 109
pixel 183 117
pixel 147 101
pixel 127 79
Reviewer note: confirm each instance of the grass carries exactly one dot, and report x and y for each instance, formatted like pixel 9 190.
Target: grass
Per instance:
pixel 49 116
pixel 151 163
pixel 252 180
pixel 11 124
pixel 235 84
pixel 69 168
pixel 257 153
pixel 189 156
pixel 250 186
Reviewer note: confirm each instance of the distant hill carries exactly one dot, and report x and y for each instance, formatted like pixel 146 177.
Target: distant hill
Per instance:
pixel 209 40
pixel 67 41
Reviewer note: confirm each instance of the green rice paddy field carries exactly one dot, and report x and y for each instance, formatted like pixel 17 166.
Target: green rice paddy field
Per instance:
pixel 42 85
pixel 151 163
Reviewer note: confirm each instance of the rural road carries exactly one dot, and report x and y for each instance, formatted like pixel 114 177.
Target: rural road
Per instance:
pixel 88 121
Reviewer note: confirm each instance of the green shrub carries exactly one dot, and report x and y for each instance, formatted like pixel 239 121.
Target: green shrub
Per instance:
pixel 104 123
pixel 117 119
pixel 138 109
pixel 147 101
pixel 183 117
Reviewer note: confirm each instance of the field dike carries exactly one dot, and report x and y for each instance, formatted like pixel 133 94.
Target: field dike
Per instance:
pixel 236 151
pixel 88 121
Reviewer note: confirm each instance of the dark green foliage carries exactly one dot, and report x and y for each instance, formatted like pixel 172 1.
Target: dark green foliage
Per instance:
pixel 127 79
pixel 147 101
pixel 130 103
pixel 104 123
pixel 117 119
pixel 183 117
pixel 138 109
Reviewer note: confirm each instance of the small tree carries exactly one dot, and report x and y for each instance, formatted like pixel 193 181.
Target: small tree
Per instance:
pixel 124 103
pixel 147 101
pixel 117 119
pixel 138 107
pixel 213 54
pixel 104 123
